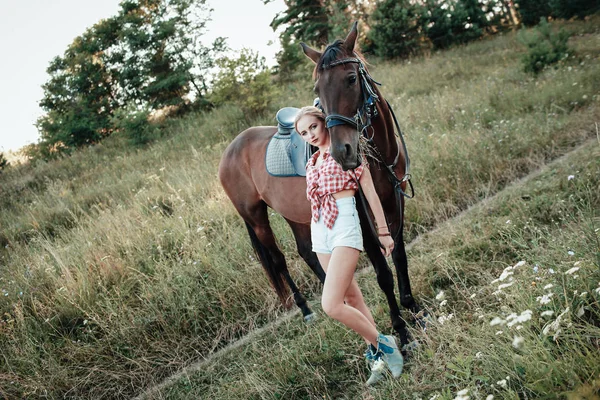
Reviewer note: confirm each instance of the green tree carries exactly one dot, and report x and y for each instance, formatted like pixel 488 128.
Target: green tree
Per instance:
pixel 573 8
pixel 147 56
pixel 531 11
pixel 245 81
pixel 395 30
pixel 448 22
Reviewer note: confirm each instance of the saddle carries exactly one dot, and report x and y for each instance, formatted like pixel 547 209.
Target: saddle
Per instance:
pixel 287 153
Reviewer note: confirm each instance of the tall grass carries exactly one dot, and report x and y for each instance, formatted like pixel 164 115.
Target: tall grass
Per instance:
pixel 122 265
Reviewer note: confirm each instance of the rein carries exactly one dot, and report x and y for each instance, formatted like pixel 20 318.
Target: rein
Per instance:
pixel 362 120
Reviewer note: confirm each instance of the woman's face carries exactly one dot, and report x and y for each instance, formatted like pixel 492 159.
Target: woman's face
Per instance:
pixel 313 130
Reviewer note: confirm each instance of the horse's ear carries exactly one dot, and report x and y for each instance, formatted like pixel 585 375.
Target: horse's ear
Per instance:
pixel 351 38
pixel 314 55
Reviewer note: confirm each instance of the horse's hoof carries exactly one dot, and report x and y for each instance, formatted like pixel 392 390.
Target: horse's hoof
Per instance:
pixel 310 318
pixel 423 319
pixel 410 347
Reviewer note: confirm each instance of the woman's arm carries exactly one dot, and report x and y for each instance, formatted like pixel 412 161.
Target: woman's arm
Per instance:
pixel 366 182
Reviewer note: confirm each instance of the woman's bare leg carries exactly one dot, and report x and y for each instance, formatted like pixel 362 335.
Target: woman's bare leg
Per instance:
pixel 339 277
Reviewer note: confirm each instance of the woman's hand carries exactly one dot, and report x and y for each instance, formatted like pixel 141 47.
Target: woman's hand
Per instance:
pixel 388 243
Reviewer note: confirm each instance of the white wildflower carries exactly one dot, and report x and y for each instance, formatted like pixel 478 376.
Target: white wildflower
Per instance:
pixel 551 270
pixel 497 321
pixel 548 286
pixel 462 395
pixel 507 221
pixel 555 325
pixel 583 294
pixel 572 271
pixel 490 397
pixel 570 177
pixel 445 318
pixel 545 299
pixel 440 296
pixel 502 383
pixel 518 342
pixel 473 296
pixel 519 264
pixel 505 285
pixel 505 274
pixel 479 355
pixel 515 319
pixel 443 303
pixel 571 252
pixel 499 333
pixel 580 312
pixel 547 313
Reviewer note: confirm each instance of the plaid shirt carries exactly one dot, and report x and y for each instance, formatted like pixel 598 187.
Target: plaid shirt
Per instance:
pixel 323 181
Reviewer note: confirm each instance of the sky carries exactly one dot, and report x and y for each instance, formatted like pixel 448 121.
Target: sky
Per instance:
pixel 33 32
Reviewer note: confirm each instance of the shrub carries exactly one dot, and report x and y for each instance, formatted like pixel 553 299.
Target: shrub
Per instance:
pixel 545 47
pixel 134 125
pixel 246 82
pixel 531 11
pixel 3 162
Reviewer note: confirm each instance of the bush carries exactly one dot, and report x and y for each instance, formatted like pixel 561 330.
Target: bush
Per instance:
pixel 545 47
pixel 3 162
pixel 246 82
pixel 134 125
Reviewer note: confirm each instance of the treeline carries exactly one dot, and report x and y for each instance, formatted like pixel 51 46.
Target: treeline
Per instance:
pixel 401 28
pixel 150 59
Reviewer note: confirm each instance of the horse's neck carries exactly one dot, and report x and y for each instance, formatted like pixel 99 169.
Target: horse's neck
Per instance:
pixel 384 136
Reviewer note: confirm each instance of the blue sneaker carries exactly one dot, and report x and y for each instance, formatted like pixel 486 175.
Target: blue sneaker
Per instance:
pixel 390 354
pixel 377 365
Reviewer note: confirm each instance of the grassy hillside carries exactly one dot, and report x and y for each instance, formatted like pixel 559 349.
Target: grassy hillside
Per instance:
pixel 121 266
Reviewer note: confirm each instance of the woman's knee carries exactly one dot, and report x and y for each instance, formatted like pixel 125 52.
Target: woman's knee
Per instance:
pixel 354 297
pixel 331 308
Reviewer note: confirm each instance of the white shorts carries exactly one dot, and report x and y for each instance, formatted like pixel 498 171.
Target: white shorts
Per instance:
pixel 345 231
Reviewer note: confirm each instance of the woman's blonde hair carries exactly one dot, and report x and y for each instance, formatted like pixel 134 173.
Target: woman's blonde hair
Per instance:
pixel 308 110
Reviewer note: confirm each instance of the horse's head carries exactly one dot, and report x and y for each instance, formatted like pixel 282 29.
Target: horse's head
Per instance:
pixel 337 77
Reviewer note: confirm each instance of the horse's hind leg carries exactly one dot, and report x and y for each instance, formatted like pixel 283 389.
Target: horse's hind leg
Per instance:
pixel 273 260
pixel 304 245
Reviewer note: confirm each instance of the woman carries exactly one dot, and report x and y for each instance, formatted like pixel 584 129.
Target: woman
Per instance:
pixel 337 240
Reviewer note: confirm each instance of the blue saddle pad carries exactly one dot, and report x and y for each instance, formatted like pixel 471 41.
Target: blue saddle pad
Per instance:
pixel 287 154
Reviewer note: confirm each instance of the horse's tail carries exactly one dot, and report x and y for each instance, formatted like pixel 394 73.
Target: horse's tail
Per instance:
pixel 270 267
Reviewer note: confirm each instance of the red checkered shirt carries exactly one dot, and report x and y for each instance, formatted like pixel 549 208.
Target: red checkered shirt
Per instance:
pixel 323 181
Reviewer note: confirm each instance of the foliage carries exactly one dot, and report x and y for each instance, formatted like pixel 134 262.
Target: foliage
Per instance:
pixel 544 47
pixel 449 22
pixel 395 31
pixel 147 55
pixel 3 162
pixel 532 10
pixel 134 125
pixel 244 81
pixel 573 8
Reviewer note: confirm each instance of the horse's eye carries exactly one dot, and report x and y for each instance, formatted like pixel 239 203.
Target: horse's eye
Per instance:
pixel 352 79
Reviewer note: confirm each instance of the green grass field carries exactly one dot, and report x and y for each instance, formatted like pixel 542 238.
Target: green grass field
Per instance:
pixel 121 266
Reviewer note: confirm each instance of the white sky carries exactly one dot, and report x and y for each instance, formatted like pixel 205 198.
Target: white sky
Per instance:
pixel 32 32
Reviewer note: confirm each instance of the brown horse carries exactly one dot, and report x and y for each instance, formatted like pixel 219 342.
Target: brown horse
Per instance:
pixel 344 86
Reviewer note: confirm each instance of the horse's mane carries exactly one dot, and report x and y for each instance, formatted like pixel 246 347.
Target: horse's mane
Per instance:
pixel 332 53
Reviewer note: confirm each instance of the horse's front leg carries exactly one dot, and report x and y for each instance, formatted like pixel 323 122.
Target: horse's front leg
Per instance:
pixel 385 279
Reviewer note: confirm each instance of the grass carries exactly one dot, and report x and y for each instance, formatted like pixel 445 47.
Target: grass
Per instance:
pixel 124 265
pixel 543 236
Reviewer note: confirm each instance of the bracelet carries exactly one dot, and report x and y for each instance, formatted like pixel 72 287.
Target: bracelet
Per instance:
pixel 385 234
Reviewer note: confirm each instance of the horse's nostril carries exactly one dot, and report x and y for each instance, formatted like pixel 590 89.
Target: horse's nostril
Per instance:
pixel 348 149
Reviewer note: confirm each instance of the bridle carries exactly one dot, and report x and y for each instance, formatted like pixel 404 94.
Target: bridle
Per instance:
pixel 362 120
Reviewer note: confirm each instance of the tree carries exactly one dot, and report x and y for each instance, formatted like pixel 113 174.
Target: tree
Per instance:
pixel 147 57
pixel 395 31
pixel 448 22
pixel 244 81
pixel 531 11
pixel 3 162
